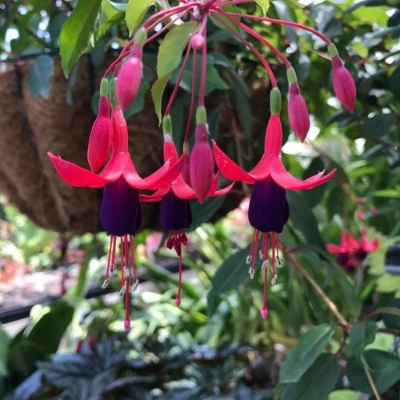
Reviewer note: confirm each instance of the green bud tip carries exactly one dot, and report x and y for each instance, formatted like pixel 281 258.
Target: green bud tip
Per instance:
pixel 332 50
pixel 291 75
pixel 275 101
pixel 104 87
pixel 167 125
pixel 140 37
pixel 201 116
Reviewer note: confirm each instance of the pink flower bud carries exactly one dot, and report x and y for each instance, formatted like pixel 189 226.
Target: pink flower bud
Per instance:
pixel 128 81
pixel 343 84
pixel 299 118
pixel 197 41
pixel 201 164
pixel 100 140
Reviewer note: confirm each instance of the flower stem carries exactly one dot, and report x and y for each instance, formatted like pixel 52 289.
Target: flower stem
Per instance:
pixel 203 71
pixel 372 383
pixel 181 72
pixel 248 45
pixel 230 16
pixel 281 22
pixel 331 305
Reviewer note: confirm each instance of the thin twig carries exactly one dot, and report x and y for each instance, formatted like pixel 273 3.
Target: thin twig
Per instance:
pixel 331 305
pixel 372 384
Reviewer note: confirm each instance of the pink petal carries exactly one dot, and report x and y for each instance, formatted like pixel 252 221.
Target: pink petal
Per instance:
pixel 75 175
pixel 333 248
pixel 230 169
pixel 287 181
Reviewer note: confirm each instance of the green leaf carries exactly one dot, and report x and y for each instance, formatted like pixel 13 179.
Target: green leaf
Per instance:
pixel 229 275
pixel 227 21
pixel 119 6
pixel 379 125
pixel 157 92
pixel 39 76
pixel 75 33
pixel 316 383
pixel 171 48
pixel 361 335
pixel 135 12
pixel 303 218
pixel 344 395
pixel 305 352
pixel 203 212
pixel 385 371
pixel 23 355
pixel 4 341
pixel 264 4
pixel 108 17
pixel 56 321
pixel 391 314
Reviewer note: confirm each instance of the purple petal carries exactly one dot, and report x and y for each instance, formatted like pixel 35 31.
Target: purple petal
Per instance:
pixel 176 213
pixel 268 209
pixel 120 212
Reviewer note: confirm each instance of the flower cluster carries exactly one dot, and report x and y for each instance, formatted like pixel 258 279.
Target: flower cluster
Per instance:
pixel 352 253
pixel 192 175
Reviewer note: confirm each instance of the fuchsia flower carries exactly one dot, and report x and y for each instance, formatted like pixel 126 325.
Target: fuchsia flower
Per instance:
pixel 176 214
pixel 299 117
pixel 268 209
pixel 120 213
pixel 350 252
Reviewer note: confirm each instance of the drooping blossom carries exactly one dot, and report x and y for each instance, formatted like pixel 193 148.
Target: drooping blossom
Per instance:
pixel 351 253
pixel 268 209
pixel 176 213
pixel 120 212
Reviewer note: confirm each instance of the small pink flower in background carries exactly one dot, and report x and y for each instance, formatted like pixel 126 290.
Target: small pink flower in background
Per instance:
pixel 350 252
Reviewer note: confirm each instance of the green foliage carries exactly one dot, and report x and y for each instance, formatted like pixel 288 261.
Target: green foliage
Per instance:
pixel 75 33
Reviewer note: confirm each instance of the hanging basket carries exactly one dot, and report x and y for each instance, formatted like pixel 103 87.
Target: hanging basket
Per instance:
pixel 30 126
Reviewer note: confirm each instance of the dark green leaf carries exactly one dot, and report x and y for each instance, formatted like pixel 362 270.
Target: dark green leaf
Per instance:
pixel 171 48
pixel 138 104
pixel 4 341
pixel 303 218
pixel 316 383
pixel 39 76
pixel 392 318
pixel 379 125
pixel 75 33
pixel 56 321
pixel 203 212
pixel 229 275
pixel 361 335
pixel 23 355
pixel 385 371
pixel 305 352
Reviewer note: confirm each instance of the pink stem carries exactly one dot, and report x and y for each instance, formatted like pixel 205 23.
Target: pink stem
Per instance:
pixel 276 21
pixel 251 48
pixel 180 76
pixel 203 72
pixel 193 97
pixel 257 36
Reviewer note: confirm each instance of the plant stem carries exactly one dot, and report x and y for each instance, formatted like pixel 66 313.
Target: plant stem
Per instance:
pixel 372 384
pixel 331 305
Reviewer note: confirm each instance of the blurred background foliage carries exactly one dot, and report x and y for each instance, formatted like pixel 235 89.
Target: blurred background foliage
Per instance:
pixel 215 346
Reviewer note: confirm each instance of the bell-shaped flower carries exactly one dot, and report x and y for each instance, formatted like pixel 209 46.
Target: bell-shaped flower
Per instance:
pixel 268 209
pixel 120 212
pixel 176 213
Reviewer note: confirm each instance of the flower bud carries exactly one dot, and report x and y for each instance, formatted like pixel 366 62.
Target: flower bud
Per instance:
pixel 128 82
pixel 201 163
pixel 343 84
pixel 100 140
pixel 197 41
pixel 299 118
